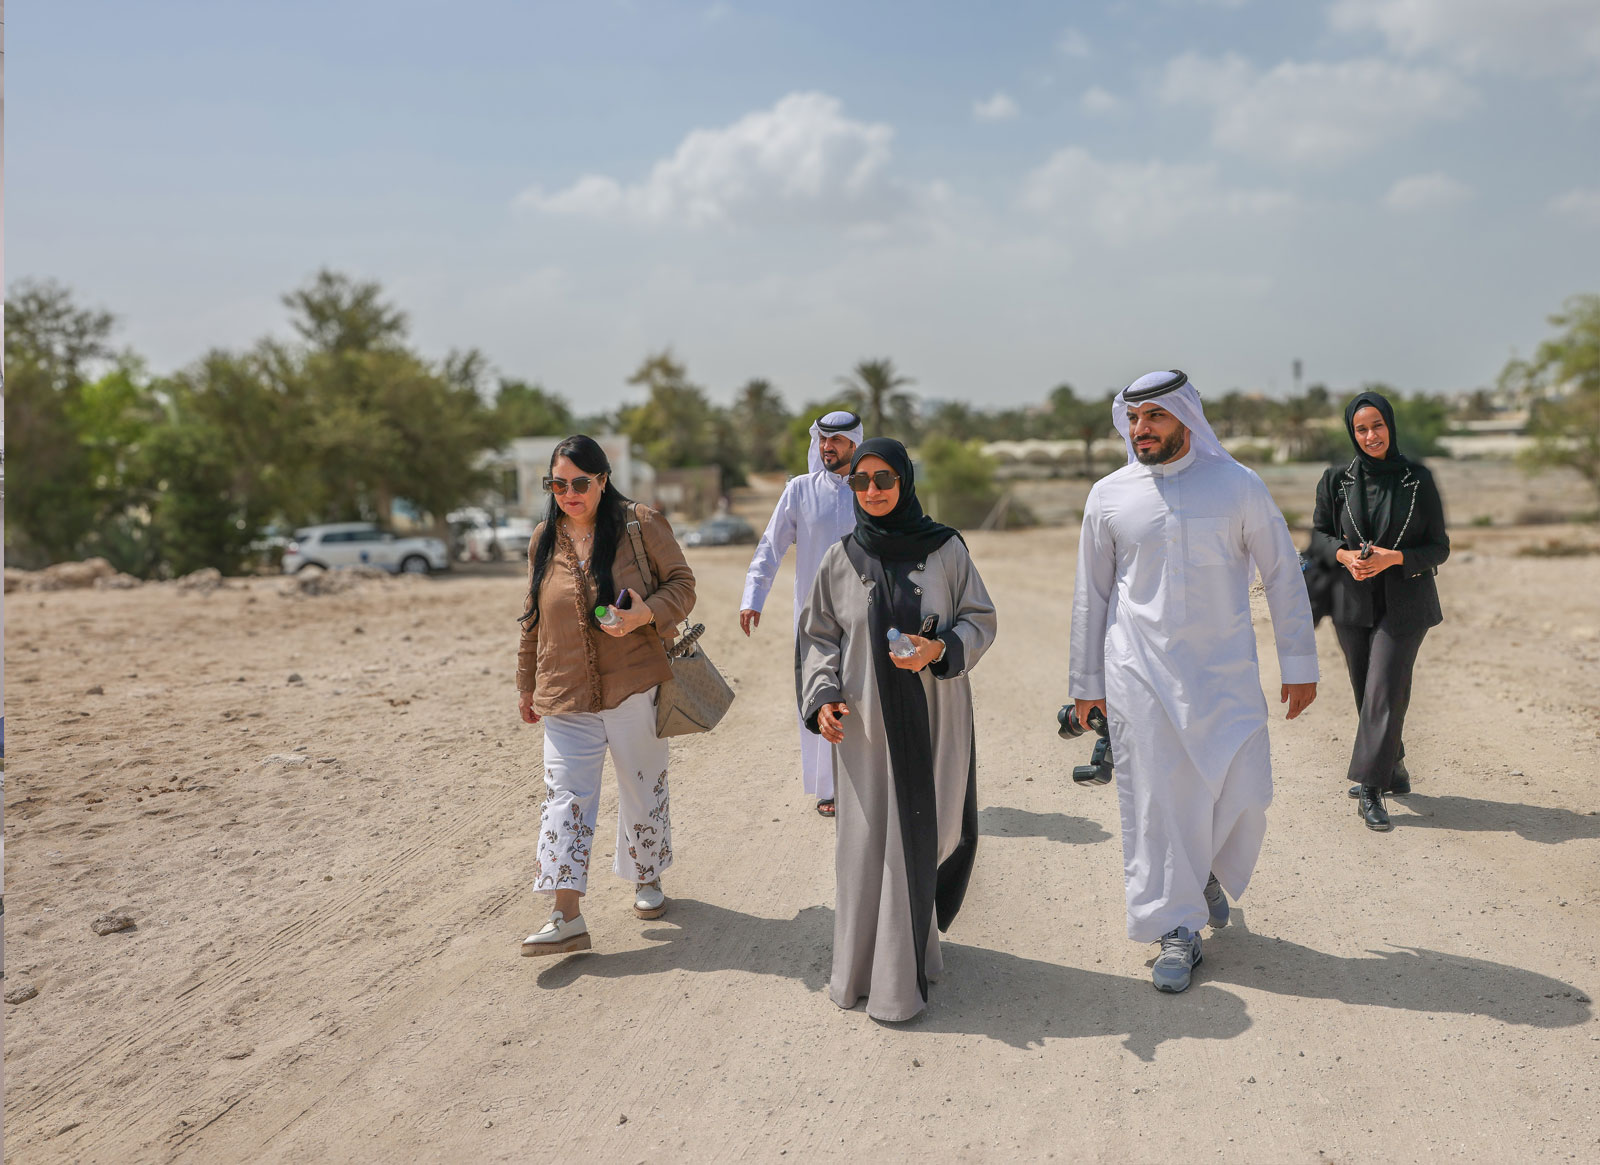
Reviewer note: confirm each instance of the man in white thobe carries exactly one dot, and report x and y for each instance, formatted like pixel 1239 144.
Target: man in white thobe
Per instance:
pixel 815 511
pixel 1162 641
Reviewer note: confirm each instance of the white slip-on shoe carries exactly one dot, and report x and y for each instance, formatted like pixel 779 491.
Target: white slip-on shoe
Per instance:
pixel 648 900
pixel 558 937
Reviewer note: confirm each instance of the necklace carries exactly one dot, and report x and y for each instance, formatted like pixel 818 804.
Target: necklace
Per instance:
pixel 581 544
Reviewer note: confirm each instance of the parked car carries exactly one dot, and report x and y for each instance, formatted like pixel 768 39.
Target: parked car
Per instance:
pixel 507 541
pixel 728 530
pixel 363 544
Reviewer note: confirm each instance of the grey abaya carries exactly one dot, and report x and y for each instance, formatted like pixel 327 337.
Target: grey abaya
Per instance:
pixel 874 949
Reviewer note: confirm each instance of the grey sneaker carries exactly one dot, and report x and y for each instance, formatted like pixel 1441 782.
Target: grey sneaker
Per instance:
pixel 648 900
pixel 1180 954
pixel 1217 902
pixel 558 937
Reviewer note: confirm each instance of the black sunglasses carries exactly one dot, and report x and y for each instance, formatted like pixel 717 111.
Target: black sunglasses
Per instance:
pixel 883 479
pixel 558 485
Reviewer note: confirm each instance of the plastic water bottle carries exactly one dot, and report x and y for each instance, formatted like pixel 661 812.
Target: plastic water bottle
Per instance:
pixel 608 617
pixel 901 645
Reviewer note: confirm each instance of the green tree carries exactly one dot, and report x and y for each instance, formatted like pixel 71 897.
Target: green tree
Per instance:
pixel 200 516
pixel 528 410
pixel 956 481
pixel 762 422
pixel 51 345
pixel 1562 380
pixel 1007 425
pixel 877 383
pixel 954 420
pixel 115 418
pixel 1238 415
pixel 377 422
pixel 1068 417
pixel 677 426
pixel 674 426
pixel 1300 423
pixel 334 313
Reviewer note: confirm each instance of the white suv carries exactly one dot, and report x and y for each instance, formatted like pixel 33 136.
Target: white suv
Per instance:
pixel 363 544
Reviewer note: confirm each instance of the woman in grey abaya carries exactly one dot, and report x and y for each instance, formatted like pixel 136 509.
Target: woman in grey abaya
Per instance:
pixel 904 759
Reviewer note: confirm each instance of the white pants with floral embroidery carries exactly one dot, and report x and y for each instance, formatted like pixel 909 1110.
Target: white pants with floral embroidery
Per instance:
pixel 574 754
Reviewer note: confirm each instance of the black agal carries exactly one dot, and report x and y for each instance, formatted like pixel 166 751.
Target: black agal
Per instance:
pixel 1137 396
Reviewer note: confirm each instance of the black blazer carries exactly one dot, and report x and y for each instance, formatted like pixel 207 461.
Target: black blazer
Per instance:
pixel 1416 527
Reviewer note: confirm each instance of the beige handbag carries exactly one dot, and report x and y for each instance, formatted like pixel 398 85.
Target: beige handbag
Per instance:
pixel 696 697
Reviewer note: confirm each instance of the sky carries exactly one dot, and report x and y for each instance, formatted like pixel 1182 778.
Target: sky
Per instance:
pixel 1000 198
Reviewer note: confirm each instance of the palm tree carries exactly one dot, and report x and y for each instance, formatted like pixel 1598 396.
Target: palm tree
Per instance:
pixel 876 381
pixel 763 423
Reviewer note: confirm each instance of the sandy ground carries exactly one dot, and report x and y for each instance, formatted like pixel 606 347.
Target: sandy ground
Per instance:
pixel 330 882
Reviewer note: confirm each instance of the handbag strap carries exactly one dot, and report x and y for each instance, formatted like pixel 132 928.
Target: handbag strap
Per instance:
pixel 641 557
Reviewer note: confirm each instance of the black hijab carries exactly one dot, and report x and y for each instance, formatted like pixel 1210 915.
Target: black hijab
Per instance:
pixel 1376 478
pixel 1391 464
pixel 905 533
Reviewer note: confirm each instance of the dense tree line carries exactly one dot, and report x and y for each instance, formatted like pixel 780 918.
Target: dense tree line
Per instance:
pixel 162 474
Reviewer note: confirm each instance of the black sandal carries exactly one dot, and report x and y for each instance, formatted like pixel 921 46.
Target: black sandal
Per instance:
pixel 825 808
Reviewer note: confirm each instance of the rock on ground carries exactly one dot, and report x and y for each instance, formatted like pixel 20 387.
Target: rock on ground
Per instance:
pixel 111 923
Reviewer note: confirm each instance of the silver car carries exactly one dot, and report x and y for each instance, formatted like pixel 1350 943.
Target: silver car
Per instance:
pixel 363 544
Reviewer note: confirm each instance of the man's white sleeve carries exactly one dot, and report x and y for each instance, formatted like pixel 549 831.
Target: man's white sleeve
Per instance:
pixel 774 544
pixel 1270 545
pixel 1091 604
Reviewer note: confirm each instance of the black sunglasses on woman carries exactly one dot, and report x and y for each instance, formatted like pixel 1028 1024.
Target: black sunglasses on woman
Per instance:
pixel 883 479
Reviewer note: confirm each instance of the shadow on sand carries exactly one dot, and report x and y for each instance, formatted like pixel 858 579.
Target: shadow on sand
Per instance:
pixel 1021 1002
pixel 1409 978
pixel 1004 821
pixel 1533 822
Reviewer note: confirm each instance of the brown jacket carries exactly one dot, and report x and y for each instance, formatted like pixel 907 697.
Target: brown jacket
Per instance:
pixel 567 662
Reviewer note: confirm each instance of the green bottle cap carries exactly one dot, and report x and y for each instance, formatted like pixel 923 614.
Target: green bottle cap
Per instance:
pixel 600 612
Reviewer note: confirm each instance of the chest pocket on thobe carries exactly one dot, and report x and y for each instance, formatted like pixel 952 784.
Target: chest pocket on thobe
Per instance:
pixel 1209 540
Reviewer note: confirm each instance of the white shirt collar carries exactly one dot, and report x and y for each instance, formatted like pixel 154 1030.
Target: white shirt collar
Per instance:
pixel 1176 465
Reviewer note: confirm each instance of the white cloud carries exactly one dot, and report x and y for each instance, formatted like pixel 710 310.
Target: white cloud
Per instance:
pixel 1097 101
pixel 1313 112
pixel 801 159
pixel 1426 192
pixel 1000 107
pixel 1126 202
pixel 1522 36
pixel 1580 204
pixel 1073 43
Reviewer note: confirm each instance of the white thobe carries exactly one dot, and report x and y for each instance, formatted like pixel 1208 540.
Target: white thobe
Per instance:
pixel 1161 630
pixel 815 511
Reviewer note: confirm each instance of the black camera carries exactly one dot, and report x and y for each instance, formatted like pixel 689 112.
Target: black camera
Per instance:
pixel 1101 767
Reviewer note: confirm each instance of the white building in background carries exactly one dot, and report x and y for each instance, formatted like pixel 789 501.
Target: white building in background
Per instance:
pixel 526 460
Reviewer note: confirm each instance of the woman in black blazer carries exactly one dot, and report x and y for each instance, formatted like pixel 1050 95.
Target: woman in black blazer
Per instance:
pixel 1380 521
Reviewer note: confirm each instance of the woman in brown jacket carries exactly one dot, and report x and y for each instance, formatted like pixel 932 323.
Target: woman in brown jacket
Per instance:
pixel 594 686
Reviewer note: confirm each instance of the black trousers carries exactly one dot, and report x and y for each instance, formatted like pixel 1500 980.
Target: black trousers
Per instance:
pixel 1380 666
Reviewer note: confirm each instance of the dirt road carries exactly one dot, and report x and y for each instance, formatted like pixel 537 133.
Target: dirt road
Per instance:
pixel 321 815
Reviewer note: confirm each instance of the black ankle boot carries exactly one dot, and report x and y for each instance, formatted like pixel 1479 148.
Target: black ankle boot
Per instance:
pixel 1400 782
pixel 1370 806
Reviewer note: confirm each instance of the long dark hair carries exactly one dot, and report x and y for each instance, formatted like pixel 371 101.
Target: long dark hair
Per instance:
pixel 610 521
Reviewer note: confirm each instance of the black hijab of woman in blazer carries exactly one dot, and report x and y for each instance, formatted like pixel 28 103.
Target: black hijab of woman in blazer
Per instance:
pixel 1376 478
